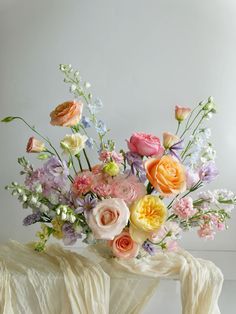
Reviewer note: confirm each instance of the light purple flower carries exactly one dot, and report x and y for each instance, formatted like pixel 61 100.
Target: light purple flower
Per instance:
pixel 208 172
pixel 175 148
pixel 85 204
pixel 56 170
pixel 95 107
pixel 150 248
pixel 101 127
pixel 70 236
pixel 136 165
pixel 85 121
pixel 89 142
pixel 192 178
pixel 32 219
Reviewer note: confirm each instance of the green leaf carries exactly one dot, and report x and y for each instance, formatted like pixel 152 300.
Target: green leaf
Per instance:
pixel 8 119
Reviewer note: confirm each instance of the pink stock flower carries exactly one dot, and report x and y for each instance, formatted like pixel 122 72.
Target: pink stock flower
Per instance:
pixel 206 232
pixel 35 146
pixel 82 183
pixel 145 144
pixel 181 113
pixel 123 246
pixel 128 188
pixel 108 218
pixel 172 245
pixel 184 207
pixel 106 156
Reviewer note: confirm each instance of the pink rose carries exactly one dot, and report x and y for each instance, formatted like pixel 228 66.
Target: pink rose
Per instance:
pixel 108 218
pixel 145 144
pixel 184 207
pixel 128 188
pixel 123 246
pixel 206 232
pixel 35 146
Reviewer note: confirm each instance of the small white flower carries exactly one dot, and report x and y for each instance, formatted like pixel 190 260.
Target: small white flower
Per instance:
pixel 72 219
pixel 73 88
pixel 63 216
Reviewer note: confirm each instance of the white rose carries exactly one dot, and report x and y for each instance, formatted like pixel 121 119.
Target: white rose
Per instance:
pixel 108 218
pixel 73 143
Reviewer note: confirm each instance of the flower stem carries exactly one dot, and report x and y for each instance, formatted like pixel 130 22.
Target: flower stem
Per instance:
pixel 87 160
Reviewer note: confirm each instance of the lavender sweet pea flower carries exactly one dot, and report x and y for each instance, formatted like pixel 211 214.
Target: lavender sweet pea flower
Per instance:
pixel 70 236
pixel 136 164
pixel 56 171
pixel 32 219
pixel 84 204
pixel 150 248
pixel 208 172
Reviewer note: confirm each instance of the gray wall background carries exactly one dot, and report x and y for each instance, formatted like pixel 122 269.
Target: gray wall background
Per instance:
pixel 141 57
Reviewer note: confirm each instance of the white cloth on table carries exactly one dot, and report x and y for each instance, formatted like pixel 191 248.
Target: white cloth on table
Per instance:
pixel 61 281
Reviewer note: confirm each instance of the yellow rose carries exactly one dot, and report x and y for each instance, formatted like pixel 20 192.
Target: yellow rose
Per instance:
pixel 146 216
pixel 73 143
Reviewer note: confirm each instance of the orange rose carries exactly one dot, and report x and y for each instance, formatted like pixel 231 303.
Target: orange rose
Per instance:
pixel 167 175
pixel 67 114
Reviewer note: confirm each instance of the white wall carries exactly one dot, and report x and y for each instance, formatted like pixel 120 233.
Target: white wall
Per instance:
pixel 142 57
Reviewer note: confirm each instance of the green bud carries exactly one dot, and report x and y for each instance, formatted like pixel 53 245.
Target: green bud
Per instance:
pixel 43 156
pixel 111 168
pixel 90 96
pixel 8 119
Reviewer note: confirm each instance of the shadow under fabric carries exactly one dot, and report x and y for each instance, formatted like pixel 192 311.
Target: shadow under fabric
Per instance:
pixel 62 281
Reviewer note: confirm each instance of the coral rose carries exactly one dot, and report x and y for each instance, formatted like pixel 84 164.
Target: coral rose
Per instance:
pixel 146 217
pixel 123 246
pixel 167 175
pixel 145 144
pixel 108 218
pixel 67 114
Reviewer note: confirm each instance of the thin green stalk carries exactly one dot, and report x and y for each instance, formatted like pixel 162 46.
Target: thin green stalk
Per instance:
pixel 79 161
pixel 178 126
pixel 87 160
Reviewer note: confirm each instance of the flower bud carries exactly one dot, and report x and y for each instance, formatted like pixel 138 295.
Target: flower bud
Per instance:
pixel 181 113
pixel 111 168
pixel 169 139
pixel 35 146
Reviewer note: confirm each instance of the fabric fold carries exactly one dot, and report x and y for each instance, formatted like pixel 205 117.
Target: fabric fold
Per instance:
pixel 62 281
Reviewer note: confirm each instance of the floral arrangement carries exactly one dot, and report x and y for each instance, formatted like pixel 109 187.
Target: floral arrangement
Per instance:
pixel 136 200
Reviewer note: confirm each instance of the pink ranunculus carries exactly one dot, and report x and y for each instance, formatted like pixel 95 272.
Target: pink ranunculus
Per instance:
pixel 123 246
pixel 82 183
pixel 145 144
pixel 181 113
pixel 128 188
pixel 184 207
pixel 108 218
pixel 35 146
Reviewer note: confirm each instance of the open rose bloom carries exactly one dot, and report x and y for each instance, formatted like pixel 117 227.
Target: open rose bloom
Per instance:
pixel 137 200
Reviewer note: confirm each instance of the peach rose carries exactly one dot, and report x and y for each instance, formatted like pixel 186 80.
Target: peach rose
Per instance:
pixel 123 246
pixel 34 146
pixel 67 114
pixel 108 218
pixel 167 175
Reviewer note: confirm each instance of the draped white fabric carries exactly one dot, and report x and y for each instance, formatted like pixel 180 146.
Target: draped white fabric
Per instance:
pixel 61 281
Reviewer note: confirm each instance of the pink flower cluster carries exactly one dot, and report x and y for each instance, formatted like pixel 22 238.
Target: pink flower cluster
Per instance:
pixel 183 207
pixel 126 187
